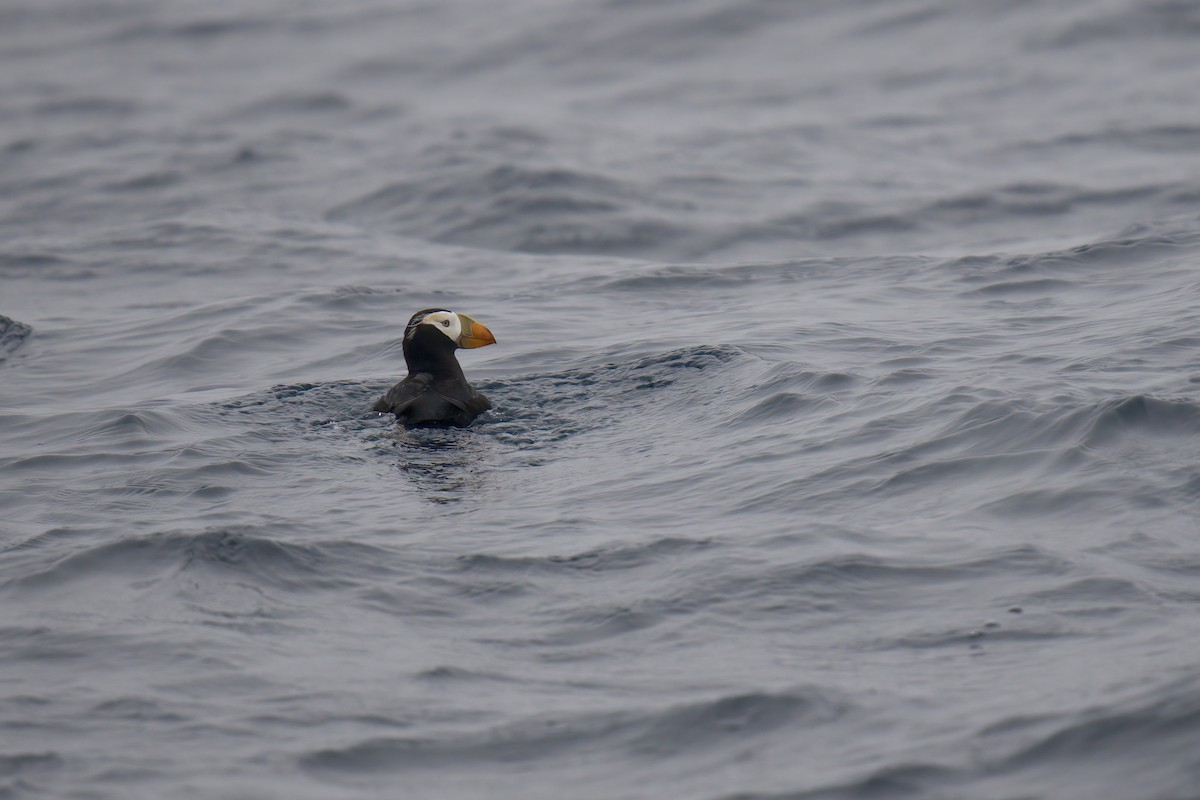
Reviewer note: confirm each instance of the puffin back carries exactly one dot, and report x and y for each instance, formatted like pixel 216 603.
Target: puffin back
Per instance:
pixel 420 400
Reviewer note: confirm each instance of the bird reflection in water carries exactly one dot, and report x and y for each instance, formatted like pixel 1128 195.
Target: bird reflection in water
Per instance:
pixel 446 465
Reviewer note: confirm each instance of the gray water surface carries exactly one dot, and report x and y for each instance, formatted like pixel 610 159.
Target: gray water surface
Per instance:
pixel 845 427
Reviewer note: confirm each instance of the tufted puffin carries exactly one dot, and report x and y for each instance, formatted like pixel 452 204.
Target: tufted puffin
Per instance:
pixel 436 392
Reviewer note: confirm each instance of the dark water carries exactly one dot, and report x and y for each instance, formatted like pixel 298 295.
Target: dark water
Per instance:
pixel 846 427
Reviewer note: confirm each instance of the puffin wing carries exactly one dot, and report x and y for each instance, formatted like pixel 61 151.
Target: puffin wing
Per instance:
pixel 404 394
pixel 467 402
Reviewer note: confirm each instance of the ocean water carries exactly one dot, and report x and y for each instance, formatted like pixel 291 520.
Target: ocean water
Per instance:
pixel 846 426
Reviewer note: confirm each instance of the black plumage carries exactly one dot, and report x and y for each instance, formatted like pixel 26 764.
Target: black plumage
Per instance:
pixel 436 392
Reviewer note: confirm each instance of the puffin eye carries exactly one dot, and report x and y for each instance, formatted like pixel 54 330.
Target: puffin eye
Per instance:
pixel 445 323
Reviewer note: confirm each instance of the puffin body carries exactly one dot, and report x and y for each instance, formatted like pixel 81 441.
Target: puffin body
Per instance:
pixel 436 392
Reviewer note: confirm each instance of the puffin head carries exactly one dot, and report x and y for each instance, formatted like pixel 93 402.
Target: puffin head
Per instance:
pixel 461 330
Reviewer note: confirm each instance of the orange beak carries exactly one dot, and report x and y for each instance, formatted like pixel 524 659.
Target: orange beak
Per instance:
pixel 475 334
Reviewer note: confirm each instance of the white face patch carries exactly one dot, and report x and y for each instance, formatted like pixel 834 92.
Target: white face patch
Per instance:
pixel 445 321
